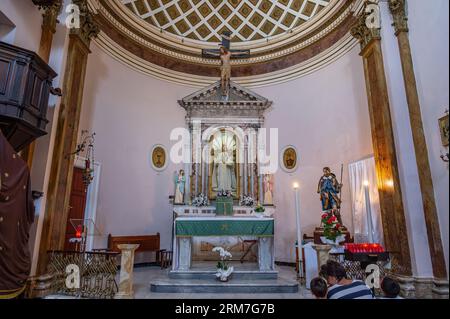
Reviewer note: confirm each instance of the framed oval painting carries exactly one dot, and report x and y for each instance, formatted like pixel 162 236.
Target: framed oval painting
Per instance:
pixel 289 159
pixel 159 157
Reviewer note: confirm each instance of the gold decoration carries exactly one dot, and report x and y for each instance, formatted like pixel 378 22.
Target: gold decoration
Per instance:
pixel 362 32
pixel 398 11
pixel 290 158
pixel 88 27
pixel 159 157
pixel 444 129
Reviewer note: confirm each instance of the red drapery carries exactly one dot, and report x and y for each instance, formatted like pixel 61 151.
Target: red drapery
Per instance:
pixel 16 217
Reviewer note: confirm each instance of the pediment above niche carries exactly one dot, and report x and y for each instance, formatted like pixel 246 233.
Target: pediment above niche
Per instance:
pixel 241 103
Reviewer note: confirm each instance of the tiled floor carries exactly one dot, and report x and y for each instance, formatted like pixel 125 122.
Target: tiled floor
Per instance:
pixel 143 277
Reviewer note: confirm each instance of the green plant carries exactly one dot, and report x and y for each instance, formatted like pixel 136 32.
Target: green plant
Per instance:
pixel 259 208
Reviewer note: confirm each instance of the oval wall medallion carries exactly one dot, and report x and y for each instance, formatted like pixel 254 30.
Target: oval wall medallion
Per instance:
pixel 159 157
pixel 289 159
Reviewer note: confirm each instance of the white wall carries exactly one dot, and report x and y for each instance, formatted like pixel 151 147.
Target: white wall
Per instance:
pixel 27 19
pixel 325 115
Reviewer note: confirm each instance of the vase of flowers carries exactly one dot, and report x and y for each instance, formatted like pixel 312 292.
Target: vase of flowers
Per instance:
pixel 332 230
pixel 224 270
pixel 200 201
pixel 247 201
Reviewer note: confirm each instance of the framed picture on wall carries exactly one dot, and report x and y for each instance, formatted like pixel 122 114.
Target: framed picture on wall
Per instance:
pixel 444 129
pixel 289 159
pixel 159 157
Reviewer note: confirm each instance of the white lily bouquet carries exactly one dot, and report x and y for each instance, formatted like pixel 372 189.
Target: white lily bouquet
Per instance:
pixel 200 201
pixel 247 201
pixel 224 270
pixel 224 193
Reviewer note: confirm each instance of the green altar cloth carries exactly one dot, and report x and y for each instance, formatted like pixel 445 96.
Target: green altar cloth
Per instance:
pixel 211 227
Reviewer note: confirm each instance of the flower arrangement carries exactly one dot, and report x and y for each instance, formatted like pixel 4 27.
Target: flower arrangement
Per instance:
pixel 247 201
pixel 224 193
pixel 259 208
pixel 200 200
pixel 332 229
pixel 224 270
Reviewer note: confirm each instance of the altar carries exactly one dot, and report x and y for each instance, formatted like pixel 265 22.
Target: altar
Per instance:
pixel 188 227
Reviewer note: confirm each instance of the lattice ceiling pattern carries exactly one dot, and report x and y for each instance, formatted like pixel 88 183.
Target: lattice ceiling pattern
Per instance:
pixel 205 20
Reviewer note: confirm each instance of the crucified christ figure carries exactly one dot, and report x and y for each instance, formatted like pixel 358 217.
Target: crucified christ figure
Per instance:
pixel 225 55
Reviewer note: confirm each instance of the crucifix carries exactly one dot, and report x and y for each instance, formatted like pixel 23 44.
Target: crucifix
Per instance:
pixel 225 54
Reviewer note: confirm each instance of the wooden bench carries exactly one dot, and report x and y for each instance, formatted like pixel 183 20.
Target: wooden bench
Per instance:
pixel 148 243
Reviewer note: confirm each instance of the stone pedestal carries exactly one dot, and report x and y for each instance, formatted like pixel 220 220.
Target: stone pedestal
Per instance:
pixel 265 254
pixel 184 253
pixel 407 287
pixel 126 271
pixel 440 289
pixel 323 254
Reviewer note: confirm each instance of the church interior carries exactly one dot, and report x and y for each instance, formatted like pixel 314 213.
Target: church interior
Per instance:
pixel 154 149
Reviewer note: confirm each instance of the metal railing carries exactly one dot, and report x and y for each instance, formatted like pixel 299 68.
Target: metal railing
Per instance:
pixel 97 273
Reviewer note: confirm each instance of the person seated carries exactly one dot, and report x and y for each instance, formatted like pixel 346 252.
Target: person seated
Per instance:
pixel 340 286
pixel 390 288
pixel 319 288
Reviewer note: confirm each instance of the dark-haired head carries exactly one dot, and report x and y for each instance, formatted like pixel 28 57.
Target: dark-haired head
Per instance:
pixel 390 287
pixel 319 287
pixel 333 271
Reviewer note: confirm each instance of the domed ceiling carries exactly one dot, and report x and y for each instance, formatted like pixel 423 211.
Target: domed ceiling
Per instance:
pixel 206 20
pixel 166 38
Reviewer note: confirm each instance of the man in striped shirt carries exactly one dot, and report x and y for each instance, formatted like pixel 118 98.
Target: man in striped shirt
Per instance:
pixel 340 286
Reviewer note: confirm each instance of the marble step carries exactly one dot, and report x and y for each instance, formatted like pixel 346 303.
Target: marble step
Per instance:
pixel 233 286
pixel 239 274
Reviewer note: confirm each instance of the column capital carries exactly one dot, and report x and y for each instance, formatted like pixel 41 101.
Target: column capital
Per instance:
pixel 52 9
pixel 398 10
pixel 88 29
pixel 367 27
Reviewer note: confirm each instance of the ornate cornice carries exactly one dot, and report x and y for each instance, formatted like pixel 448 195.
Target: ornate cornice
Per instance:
pixel 361 30
pixel 89 29
pixel 398 10
pixel 52 9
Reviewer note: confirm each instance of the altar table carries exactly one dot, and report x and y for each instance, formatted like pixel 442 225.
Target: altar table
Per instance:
pixel 223 226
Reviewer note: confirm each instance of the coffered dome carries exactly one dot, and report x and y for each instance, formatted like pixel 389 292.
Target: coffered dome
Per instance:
pixel 206 20
pixel 166 38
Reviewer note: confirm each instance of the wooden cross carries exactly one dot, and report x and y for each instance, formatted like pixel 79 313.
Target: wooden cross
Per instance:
pixel 226 42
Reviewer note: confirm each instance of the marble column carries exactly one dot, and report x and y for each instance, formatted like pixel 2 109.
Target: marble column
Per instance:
pixel 187 172
pixel 390 193
pixel 66 135
pixel 51 10
pixel 245 191
pixel 399 14
pixel 206 170
pixel 323 254
pixel 126 271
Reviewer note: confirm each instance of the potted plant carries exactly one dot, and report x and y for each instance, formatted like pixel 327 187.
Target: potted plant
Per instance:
pixel 259 210
pixel 224 270
pixel 332 230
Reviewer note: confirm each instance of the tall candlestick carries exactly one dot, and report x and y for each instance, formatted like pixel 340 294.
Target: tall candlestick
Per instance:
pixel 299 232
pixel 368 212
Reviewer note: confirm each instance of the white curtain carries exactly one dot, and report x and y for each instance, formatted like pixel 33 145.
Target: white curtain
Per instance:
pixel 360 172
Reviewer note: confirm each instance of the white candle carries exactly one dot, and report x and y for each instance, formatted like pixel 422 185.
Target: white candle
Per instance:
pixel 368 212
pixel 299 233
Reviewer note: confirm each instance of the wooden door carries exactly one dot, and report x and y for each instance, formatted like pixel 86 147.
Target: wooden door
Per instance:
pixel 77 206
